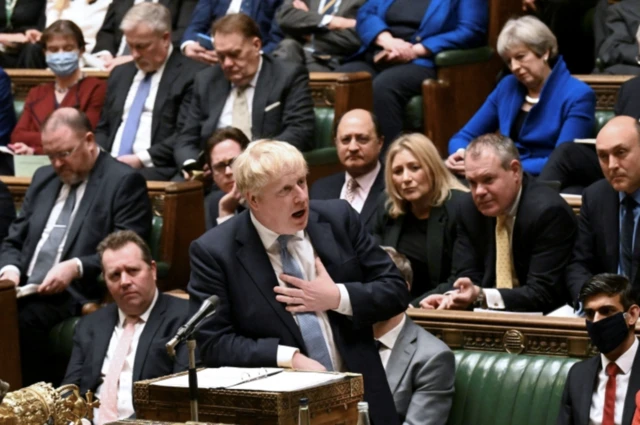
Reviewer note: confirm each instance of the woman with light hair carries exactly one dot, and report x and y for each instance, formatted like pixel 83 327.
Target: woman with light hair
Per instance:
pixel 539 106
pixel 416 215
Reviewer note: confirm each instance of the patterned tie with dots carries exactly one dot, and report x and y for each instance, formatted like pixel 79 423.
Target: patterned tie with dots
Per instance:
pixel 504 265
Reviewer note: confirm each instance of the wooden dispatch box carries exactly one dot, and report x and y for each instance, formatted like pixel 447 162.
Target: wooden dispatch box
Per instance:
pixel 330 404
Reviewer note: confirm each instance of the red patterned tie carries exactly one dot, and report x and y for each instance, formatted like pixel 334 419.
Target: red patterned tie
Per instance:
pixel 109 402
pixel 636 415
pixel 608 413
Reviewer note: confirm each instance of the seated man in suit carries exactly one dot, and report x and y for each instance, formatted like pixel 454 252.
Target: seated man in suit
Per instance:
pixel 358 142
pixel 68 209
pixel 275 269
pixel 142 114
pixel 318 33
pixel 514 236
pixel 609 211
pixel 604 388
pixel 223 147
pixel 619 50
pixel 124 342
pixel 111 47
pixel 420 368
pixel 208 11
pixel 262 96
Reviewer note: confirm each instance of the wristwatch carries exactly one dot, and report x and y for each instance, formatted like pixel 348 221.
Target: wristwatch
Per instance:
pixel 480 301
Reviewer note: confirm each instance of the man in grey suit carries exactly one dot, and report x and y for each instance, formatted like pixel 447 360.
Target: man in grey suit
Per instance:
pixel 261 96
pixel 318 33
pixel 619 50
pixel 420 368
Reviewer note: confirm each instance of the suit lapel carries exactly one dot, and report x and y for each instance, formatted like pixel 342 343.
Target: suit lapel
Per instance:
pixel 254 259
pixel 324 243
pixel 428 21
pixel 435 239
pixel 591 380
pixel 260 96
pixel 90 192
pixel 371 202
pixel 148 333
pixel 101 339
pixel 170 73
pixel 401 355
pixel 41 212
pixel 634 387
pixel 218 94
pixel 490 262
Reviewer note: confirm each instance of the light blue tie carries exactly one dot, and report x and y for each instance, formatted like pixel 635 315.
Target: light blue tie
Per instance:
pixel 308 322
pixel 135 113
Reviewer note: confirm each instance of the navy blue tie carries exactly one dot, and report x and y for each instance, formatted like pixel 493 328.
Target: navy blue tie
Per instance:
pixel 133 119
pixel 308 322
pixel 329 7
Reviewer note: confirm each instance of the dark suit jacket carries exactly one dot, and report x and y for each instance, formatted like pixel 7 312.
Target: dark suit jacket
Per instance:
pixel 115 199
pixel 211 208
pixel 441 235
pixel 298 24
pixel 582 382
pixel 421 372
pixel 597 248
pixel 87 96
pixel 110 36
pixel 620 47
pixel 231 262
pixel 262 11
pixel 27 14
pixel 330 187
pixel 280 83
pixel 628 102
pixel 7 210
pixel 93 333
pixel 169 112
pixel 543 236
pixel 7 111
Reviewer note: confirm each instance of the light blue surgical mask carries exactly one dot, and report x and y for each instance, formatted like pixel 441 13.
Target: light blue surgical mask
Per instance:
pixel 63 64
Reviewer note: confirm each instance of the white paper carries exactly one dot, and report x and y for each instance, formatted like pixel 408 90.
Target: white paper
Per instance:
pixel 564 311
pixel 290 380
pixel 26 165
pixel 571 197
pixel 585 141
pixel 484 310
pixel 6 150
pixel 223 377
pixel 29 289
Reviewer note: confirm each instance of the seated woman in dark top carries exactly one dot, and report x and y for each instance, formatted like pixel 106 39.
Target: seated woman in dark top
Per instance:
pixel 540 105
pixel 222 148
pixel 20 24
pixel 417 212
pixel 63 43
pixel 400 39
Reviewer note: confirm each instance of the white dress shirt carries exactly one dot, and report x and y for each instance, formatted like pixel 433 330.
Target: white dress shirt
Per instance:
pixel 51 221
pixel 302 251
pixel 365 182
pixel 89 17
pixel 624 362
pixel 125 385
pixel 492 295
pixel 226 116
pixel 327 18
pixel 389 341
pixel 142 143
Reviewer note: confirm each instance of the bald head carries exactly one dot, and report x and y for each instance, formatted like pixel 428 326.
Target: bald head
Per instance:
pixel 358 142
pixel 618 148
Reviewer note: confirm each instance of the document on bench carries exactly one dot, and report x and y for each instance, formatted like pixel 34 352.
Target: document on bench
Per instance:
pixel 254 379
pixel 486 310
pixel 29 289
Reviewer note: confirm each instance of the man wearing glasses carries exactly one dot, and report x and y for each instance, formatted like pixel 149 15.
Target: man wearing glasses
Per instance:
pixel 68 209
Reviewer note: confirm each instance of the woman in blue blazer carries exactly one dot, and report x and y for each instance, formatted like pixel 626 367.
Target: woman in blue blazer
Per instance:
pixel 400 39
pixel 540 105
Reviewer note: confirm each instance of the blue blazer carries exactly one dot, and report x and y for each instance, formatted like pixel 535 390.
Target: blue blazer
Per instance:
pixel 7 112
pixel 566 111
pixel 262 11
pixel 448 24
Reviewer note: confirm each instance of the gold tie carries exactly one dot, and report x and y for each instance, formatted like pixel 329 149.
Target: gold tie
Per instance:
pixel 504 265
pixel 352 189
pixel 241 119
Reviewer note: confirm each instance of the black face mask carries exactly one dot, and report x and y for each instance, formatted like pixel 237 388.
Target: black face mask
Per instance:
pixel 607 334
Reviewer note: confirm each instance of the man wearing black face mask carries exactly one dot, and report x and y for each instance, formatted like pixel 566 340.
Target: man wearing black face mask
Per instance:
pixel 602 390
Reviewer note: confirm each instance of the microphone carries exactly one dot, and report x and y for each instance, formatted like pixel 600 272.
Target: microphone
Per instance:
pixel 206 309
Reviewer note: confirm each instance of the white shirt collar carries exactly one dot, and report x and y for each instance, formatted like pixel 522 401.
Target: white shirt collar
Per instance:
pixel 143 317
pixel 389 339
pixel 513 211
pixel 625 361
pixel 268 236
pixel 365 181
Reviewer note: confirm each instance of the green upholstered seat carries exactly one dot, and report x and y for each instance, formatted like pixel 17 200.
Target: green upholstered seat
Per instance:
pixel 505 389
pixel 413 118
pixel 602 117
pixel 324 152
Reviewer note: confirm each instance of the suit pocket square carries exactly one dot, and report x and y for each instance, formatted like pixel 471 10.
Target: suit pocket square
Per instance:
pixel 272 106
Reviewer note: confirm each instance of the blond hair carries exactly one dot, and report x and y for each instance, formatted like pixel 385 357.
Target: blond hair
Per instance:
pixel 530 32
pixel 264 161
pixel 424 151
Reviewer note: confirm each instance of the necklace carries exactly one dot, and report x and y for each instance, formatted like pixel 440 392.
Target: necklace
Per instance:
pixel 63 90
pixel 531 100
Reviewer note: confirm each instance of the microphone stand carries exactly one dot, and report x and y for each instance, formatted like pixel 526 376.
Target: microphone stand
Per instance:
pixel 193 377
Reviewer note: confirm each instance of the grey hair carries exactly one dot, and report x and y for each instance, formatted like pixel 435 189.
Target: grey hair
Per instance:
pixel 503 147
pixel 530 32
pixel 154 15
